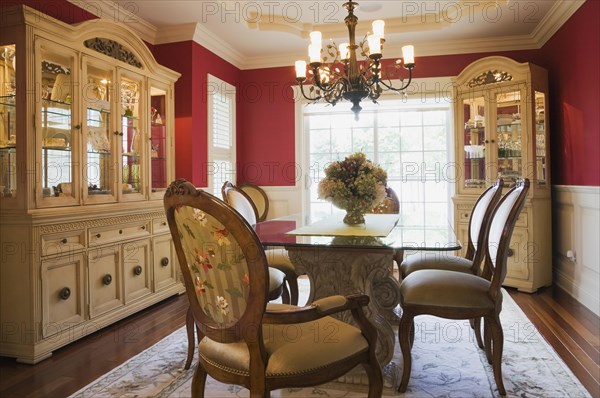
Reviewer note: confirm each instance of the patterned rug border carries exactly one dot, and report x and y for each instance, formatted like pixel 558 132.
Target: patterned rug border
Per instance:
pixel 178 377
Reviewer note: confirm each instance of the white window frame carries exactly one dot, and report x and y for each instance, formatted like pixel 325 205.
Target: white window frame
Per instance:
pixel 217 156
pixel 439 89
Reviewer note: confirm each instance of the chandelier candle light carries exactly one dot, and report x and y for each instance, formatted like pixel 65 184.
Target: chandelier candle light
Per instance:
pixel 358 80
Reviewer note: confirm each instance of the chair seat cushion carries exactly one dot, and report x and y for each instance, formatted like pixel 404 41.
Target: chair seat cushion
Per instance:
pixel 434 260
pixel 278 258
pixel 292 349
pixel 276 278
pixel 447 289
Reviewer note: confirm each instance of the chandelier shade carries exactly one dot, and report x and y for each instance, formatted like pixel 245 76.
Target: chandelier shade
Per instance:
pixel 334 72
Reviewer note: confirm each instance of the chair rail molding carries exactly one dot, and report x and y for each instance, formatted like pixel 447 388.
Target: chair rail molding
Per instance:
pixel 576 257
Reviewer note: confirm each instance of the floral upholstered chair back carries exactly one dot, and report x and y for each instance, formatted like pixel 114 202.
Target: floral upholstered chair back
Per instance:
pixel 213 259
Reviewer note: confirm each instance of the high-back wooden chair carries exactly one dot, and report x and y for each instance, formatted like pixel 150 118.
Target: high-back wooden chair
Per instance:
pixel 259 199
pixel 477 230
pixel 460 295
pixel 276 257
pixel 243 338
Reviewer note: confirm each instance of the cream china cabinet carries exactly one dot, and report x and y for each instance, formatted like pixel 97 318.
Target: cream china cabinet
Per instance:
pixel 501 130
pixel 86 153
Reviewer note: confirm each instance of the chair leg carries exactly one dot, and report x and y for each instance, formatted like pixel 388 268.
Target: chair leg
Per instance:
pixel 487 340
pixel 476 326
pixel 498 342
pixel 375 379
pixel 199 382
pixel 189 327
pixel 404 338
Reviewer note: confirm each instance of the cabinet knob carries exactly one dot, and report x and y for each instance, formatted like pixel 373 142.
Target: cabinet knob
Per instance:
pixel 143 227
pixel 98 236
pixel 65 293
pixel 107 279
pixel 164 223
pixel 493 141
pixel 511 252
pixel 77 127
pixel 116 133
pixel 164 261
pixel 120 231
pixel 64 241
pixel 137 270
pixel 487 141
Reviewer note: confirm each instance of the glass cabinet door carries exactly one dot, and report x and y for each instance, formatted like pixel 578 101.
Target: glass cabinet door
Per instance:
pixel 541 156
pixel 133 145
pixel 474 140
pixel 57 128
pixel 509 133
pixel 99 174
pixel 159 139
pixel 8 137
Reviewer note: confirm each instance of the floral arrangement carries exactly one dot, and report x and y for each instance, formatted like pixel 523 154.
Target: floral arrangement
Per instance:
pixel 354 184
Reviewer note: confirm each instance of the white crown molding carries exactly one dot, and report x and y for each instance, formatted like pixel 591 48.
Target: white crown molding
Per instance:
pixel 560 12
pixel 554 19
pixel 217 46
pixel 107 9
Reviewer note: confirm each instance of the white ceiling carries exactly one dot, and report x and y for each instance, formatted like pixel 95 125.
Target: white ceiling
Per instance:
pixel 265 33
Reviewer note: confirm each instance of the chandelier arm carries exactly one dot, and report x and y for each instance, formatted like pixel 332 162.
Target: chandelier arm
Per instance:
pixel 404 86
pixel 318 97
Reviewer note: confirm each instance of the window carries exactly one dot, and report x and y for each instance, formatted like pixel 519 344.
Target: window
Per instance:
pixel 221 134
pixel 408 138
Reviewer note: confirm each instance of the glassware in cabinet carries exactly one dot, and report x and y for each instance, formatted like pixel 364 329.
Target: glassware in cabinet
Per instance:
pixel 58 127
pixel 159 144
pixel 131 133
pixel 474 137
pixel 98 175
pixel 507 103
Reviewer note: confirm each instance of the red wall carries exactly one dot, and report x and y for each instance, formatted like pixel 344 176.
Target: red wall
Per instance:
pixel 266 126
pixel 572 58
pixel 194 62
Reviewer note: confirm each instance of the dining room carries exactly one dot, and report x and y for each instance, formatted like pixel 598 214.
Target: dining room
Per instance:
pixel 439 108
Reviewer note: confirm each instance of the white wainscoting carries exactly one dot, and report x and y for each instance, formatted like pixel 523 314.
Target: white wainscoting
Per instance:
pixel 576 229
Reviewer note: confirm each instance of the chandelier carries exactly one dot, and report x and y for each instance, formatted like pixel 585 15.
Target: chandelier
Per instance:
pixel 358 80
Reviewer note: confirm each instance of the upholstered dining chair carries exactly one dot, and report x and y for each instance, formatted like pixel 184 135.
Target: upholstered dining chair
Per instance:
pixel 477 236
pixel 244 338
pixel 276 257
pixel 259 199
pixel 461 295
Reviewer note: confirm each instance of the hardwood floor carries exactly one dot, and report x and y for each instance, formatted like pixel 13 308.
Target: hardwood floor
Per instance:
pixel 568 326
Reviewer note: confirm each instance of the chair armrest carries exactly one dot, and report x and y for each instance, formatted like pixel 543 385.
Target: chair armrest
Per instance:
pixel 318 309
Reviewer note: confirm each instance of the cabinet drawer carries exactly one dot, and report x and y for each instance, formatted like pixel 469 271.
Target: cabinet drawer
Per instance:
pixel 159 225
pixel 100 236
pixel 519 256
pixel 104 268
pixel 63 294
pixel 137 269
pixel 165 266
pixel 63 243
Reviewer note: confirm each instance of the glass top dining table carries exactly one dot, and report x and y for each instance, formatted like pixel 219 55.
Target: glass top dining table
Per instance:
pixel 402 237
pixel 349 260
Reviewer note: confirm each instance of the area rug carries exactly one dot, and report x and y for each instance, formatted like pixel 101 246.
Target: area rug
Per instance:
pixel 446 363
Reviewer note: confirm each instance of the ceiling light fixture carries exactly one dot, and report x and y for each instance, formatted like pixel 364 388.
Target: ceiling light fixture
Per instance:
pixel 358 80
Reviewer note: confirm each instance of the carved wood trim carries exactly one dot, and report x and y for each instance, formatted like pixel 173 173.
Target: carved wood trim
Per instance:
pixel 490 77
pixel 53 228
pixel 114 50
